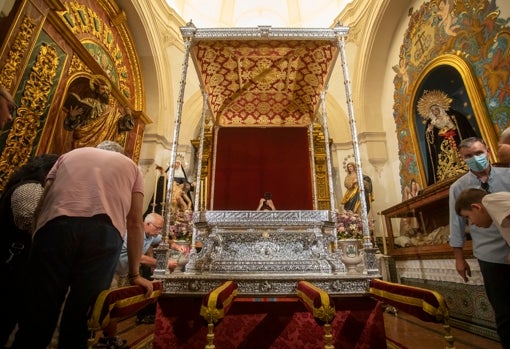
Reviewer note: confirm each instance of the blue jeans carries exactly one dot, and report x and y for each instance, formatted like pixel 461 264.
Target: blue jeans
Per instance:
pixel 496 278
pixel 73 256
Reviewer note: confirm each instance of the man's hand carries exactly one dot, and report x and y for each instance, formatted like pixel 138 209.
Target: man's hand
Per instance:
pixel 147 284
pixel 463 269
pixel 180 248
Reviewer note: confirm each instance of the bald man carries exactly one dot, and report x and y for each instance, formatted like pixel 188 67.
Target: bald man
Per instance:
pixel 504 146
pixel 7 107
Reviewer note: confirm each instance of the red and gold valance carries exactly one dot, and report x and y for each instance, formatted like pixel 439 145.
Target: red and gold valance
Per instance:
pixel 264 83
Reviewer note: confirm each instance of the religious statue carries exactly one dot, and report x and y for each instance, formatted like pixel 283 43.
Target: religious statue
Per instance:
pixel 444 129
pixel 157 201
pixel 351 198
pixel 93 119
pixel 179 173
pixel 180 200
pixel 412 190
pixel 409 226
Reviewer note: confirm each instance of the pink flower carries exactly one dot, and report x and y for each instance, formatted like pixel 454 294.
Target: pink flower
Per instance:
pixel 181 226
pixel 350 225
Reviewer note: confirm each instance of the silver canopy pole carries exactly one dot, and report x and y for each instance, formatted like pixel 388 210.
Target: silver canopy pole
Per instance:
pixel 352 122
pixel 328 153
pixel 187 34
pixel 198 187
pixel 213 170
pixel 312 163
pixel 161 253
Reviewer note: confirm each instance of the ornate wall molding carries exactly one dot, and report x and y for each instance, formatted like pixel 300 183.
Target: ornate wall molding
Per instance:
pixel 14 63
pixel 94 32
pixel 24 130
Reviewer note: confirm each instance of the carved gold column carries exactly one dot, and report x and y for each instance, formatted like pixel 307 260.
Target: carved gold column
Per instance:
pixel 23 133
pixel 321 173
pixel 203 161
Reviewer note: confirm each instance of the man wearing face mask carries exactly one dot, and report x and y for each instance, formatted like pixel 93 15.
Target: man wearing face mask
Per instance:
pixel 489 247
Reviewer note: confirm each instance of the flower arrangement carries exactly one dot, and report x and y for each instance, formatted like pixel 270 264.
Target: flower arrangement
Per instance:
pixel 350 225
pixel 181 227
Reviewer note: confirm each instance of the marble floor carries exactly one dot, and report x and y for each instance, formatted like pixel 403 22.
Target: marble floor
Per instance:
pixel 414 333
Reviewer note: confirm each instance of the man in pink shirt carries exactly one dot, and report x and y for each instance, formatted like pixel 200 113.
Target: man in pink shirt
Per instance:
pixel 92 197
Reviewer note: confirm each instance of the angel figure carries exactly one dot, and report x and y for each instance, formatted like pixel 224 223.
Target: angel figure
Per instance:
pixel 447 18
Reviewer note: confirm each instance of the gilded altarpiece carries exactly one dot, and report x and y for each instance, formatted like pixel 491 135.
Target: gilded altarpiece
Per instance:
pixel 469 36
pixel 49 48
pixel 466 41
pixel 457 51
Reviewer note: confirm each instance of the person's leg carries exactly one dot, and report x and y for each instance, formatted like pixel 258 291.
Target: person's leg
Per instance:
pixel 111 329
pixel 497 286
pixel 45 283
pixel 99 245
pixel 9 306
pixel 14 270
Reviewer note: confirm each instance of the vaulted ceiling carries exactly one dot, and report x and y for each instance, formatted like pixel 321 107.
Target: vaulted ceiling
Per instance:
pixel 245 13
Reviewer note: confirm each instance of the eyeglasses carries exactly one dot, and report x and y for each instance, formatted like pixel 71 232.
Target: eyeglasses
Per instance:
pixel 485 186
pixel 155 226
pixel 12 107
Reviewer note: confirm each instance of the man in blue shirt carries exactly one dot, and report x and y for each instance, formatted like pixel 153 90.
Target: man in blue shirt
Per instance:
pixel 153 225
pixel 489 247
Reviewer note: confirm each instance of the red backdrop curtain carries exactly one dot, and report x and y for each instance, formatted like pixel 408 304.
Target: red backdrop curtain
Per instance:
pixel 252 161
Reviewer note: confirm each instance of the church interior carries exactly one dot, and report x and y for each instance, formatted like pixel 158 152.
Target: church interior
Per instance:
pixel 317 103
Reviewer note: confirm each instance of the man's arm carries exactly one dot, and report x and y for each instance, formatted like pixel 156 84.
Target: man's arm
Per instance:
pixel 260 204
pixel 461 265
pixel 135 235
pixel 37 211
pixel 458 236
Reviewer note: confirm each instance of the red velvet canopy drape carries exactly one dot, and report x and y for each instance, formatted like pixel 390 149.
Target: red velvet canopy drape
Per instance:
pixel 251 161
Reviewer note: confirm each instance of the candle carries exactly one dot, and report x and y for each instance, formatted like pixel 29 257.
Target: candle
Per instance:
pixel 201 193
pixel 383 228
pixel 205 193
pixel 155 190
pixel 164 188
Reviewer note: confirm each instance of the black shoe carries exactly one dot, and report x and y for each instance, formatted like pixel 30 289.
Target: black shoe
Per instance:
pixel 111 343
pixel 147 319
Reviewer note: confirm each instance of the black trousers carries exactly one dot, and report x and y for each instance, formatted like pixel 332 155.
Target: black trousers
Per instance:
pixel 496 278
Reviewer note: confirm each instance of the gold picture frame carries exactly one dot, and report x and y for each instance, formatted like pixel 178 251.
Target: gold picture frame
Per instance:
pixel 474 97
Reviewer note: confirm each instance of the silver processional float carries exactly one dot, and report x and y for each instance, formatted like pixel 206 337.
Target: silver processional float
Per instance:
pixel 236 244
